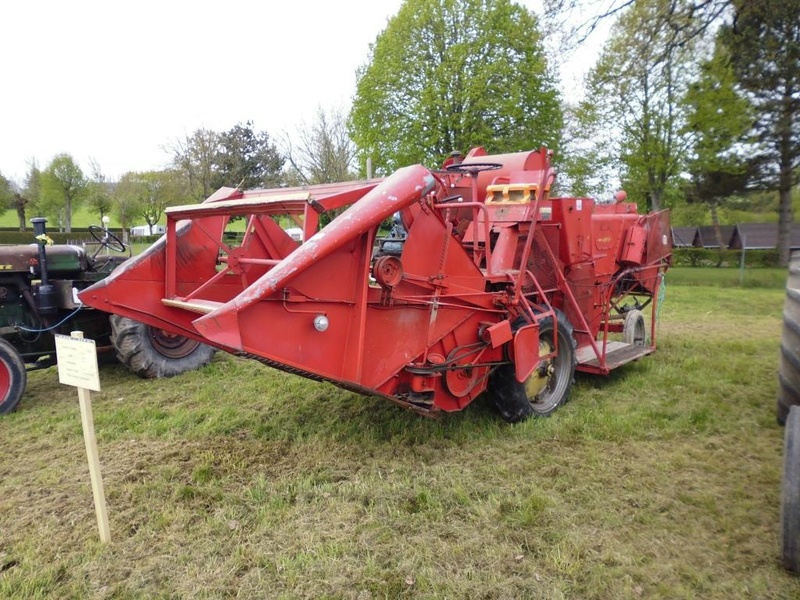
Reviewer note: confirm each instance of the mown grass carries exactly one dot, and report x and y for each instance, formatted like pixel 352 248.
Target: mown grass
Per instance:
pixel 660 481
pixel 772 278
pixel 83 216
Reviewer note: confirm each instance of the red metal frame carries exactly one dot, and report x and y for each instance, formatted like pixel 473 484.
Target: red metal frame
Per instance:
pixel 474 278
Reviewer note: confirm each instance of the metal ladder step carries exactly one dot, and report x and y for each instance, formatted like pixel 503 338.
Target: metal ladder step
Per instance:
pixel 617 354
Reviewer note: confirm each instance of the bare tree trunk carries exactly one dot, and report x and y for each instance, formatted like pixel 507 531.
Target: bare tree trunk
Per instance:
pixel 788 153
pixel 785 219
pixel 717 233
pixel 20 202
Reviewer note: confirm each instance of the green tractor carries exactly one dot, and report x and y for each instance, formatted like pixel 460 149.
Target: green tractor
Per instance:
pixel 39 285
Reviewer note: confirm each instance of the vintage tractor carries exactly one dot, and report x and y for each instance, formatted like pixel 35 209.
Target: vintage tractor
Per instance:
pixel 493 286
pixel 38 297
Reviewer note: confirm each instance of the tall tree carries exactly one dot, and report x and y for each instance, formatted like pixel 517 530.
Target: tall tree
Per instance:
pixel 127 200
pixel 248 158
pixel 719 121
pixel 6 193
pixel 682 20
pixel 764 43
pixel 450 74
pixel 63 188
pixel 32 189
pixel 147 195
pixel 323 151
pixel 196 157
pixel 632 116
pixel 98 194
pixel 240 156
pixel 20 204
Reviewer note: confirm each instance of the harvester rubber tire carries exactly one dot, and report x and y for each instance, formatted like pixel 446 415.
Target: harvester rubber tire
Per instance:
pixel 790 493
pixel 633 330
pixel 151 354
pixel 13 377
pixel 511 398
pixel 789 367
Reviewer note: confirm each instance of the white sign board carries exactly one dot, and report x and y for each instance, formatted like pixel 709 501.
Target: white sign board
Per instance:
pixel 77 362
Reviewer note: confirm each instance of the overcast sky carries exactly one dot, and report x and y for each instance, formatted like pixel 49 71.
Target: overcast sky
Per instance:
pixel 117 81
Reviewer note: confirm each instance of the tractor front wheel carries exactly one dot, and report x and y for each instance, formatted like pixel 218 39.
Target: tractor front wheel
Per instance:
pixel 154 353
pixel 790 493
pixel 13 377
pixel 789 367
pixel 548 386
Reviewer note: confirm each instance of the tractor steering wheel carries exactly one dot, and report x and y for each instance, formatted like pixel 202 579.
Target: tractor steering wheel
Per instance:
pixel 473 168
pixel 107 239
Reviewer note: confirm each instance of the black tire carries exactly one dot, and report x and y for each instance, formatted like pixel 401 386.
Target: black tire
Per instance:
pixel 152 353
pixel 634 331
pixel 790 493
pixel 13 377
pixel 553 379
pixel 789 367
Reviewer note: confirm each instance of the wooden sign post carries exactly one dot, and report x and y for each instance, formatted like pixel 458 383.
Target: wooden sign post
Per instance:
pixel 77 366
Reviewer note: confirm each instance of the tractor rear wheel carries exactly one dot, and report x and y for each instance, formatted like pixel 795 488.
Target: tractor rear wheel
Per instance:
pixel 548 386
pixel 789 368
pixel 154 353
pixel 790 493
pixel 13 377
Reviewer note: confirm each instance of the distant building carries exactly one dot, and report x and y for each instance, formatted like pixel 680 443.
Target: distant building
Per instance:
pixel 141 230
pixel 683 237
pixel 761 236
pixel 706 236
pixel 295 233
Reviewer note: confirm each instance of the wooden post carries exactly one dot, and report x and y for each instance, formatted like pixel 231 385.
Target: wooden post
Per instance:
pixel 74 371
pixel 89 439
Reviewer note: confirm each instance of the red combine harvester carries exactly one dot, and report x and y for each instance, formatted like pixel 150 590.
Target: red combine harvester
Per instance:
pixel 492 285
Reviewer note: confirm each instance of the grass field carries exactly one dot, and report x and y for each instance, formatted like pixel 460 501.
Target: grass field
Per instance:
pixel 660 481
pixel 82 217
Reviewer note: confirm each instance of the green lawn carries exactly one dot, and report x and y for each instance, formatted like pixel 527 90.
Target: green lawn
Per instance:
pixel 660 481
pixel 82 217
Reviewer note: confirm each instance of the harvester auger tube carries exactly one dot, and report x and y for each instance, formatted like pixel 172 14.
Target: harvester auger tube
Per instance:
pixel 468 296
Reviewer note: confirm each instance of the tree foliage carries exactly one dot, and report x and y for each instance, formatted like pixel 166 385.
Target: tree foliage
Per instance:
pixel 195 157
pixel 450 74
pixel 6 193
pixel 682 20
pixel 631 120
pixel 718 122
pixel 146 195
pixel 764 45
pixel 98 193
pixel 762 41
pixel 63 188
pixel 240 157
pixel 323 151
pixel 248 159
pixel 32 190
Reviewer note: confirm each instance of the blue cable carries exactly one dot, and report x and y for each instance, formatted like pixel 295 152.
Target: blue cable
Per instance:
pixel 64 320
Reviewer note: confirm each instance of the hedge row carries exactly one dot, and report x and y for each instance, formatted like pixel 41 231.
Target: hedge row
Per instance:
pixel 690 257
pixel 27 237
pixel 705 257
